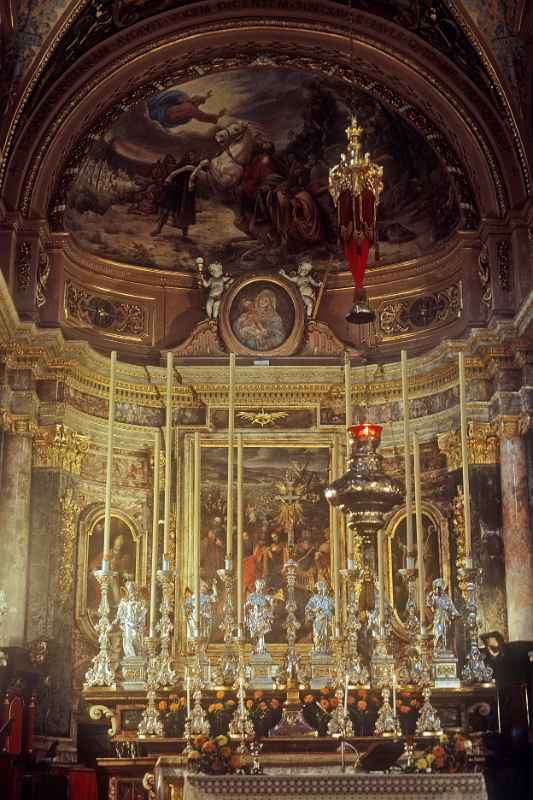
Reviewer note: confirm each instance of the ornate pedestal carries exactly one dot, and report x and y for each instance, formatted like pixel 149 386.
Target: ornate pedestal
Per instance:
pixel 133 671
pixel 262 671
pixel 444 670
pixel 320 664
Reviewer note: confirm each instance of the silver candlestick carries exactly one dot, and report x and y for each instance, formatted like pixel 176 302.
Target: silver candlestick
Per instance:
pixel 340 724
pixel 356 670
pixel 291 669
pixel 151 724
pixel 166 674
pixel 428 721
pixel 241 726
pixel 475 670
pixel 197 722
pixel 101 672
pixel 387 723
pixel 228 662
pixel 3 611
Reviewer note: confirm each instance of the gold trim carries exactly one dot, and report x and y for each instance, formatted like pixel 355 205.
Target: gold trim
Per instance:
pixel 58 447
pixel 483 445
pixel 511 426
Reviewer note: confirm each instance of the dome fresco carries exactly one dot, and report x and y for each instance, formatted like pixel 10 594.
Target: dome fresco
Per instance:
pixel 234 166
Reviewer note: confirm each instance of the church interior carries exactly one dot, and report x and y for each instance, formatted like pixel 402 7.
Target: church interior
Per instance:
pixel 266 399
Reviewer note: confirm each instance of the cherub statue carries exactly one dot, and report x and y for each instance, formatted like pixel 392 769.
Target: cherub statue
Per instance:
pixel 319 611
pixel 306 284
pixel 207 609
pixel 444 612
pixel 131 617
pixel 217 284
pixel 259 615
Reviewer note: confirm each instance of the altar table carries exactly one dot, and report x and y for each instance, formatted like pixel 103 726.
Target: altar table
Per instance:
pixel 396 786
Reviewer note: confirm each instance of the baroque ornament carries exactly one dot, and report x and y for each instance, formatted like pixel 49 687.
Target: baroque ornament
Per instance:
pixel 23 266
pixel 420 311
pixel 60 448
pixel 262 418
pixel 483 271
pixel 503 256
pixel 482 440
pixel 87 308
pixel 69 515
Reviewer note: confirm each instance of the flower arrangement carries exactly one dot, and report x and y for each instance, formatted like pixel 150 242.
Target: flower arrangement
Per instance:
pixel 265 712
pixel 173 713
pixel 214 756
pixel 450 755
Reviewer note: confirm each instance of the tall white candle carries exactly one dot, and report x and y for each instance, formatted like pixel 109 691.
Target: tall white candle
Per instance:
pixel 231 428
pixel 196 536
pixel 407 458
pixel 168 454
pixel 240 543
pixel 419 533
pixel 346 681
pixel 109 464
pixel 381 580
pixel 188 686
pixel 464 456
pixel 347 400
pixel 155 531
pixel 394 712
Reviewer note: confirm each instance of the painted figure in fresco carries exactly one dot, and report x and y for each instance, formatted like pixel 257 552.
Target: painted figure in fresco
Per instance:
pixel 178 196
pixel 217 283
pixel 275 558
pixel 259 615
pixel 212 550
pixel 444 612
pixel 259 325
pixel 373 616
pixel 319 611
pixel 131 618
pixel 120 562
pixel 306 284
pixel 207 608
pixel 173 108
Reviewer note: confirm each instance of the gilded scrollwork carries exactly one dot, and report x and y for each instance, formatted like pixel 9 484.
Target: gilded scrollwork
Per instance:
pixel 483 271
pixel 23 266
pixel 413 313
pixel 482 440
pixel 105 313
pixel 458 516
pixel 69 516
pixel 97 712
pixel 60 448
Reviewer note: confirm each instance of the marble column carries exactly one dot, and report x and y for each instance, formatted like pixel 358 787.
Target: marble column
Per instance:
pixel 517 533
pixel 15 528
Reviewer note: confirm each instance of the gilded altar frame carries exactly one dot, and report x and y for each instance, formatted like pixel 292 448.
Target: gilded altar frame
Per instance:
pixel 88 520
pixel 439 520
pixel 184 546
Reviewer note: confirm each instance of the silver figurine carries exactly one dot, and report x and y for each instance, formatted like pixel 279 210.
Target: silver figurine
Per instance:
pixel 319 611
pixel 444 612
pixel 259 615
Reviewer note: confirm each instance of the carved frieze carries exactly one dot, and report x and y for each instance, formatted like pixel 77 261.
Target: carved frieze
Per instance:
pixel 23 266
pixel 503 256
pixel 482 439
pixel 43 273
pixel 58 447
pixel 85 307
pixel 410 314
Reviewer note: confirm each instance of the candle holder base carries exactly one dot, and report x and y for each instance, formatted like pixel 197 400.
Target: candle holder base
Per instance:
pixel 133 670
pixel 320 665
pixel 444 669
pixel 387 724
pixel 261 671
pixel 428 721
pixel 292 723
pixel 382 667
pixel 340 724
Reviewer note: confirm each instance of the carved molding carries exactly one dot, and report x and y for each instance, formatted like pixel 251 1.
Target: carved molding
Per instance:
pixel 23 266
pixel 458 517
pixel 503 257
pixel 58 447
pixel 97 712
pixel 203 341
pixel 483 445
pixel 21 424
pixel 69 516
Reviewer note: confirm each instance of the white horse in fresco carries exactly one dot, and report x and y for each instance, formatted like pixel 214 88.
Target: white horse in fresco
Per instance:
pixel 224 172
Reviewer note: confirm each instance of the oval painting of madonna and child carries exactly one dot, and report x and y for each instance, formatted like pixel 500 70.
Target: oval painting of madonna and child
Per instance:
pixel 262 316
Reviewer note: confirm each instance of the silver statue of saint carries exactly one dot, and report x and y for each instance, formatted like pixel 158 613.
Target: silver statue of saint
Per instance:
pixel 444 612
pixel 131 617
pixel 373 615
pixel 207 612
pixel 259 616
pixel 319 611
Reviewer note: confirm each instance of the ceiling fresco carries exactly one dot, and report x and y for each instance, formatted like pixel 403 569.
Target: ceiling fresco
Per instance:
pixel 234 168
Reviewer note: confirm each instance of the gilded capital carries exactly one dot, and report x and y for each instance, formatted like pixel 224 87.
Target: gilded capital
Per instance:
pixel 482 439
pixel 510 426
pixel 22 424
pixel 58 447
pixel 69 516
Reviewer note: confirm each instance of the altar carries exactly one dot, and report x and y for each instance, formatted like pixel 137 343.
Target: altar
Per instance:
pixel 326 784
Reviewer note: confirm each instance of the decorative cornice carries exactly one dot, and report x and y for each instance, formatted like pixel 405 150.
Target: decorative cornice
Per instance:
pixel 483 445
pixel 57 447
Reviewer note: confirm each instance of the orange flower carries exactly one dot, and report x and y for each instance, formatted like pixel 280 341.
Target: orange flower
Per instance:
pixel 351 699
pixel 334 702
pixel 361 693
pixel 405 695
pixel 324 702
pixel 404 709
pixel 173 696
pixel 199 741
pixel 438 751
pixel 414 703
pixel 220 694
pixel 258 695
pixel 439 763
pixel 274 703
pixel 173 706
pixel 362 705
pixel 308 698
pixel 162 705
pixel 225 751
pixel 235 761
pixel 208 747
pixel 249 704
pixel 324 691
